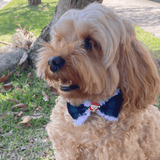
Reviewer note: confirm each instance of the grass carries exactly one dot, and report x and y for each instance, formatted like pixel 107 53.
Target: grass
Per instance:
pixel 151 43
pixel 19 141
pixel 16 140
pixel 19 12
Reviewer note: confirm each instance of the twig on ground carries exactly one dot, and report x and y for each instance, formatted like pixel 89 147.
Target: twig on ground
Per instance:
pixel 5 43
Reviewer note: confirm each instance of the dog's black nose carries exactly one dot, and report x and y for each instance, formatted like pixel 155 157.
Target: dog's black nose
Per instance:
pixel 56 63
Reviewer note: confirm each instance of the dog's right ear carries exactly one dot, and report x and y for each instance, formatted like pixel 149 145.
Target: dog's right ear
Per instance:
pixel 139 79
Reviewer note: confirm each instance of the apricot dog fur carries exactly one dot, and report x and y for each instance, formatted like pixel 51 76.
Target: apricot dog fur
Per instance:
pixel 98 52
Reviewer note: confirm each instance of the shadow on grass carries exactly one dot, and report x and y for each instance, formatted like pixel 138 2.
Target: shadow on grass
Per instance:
pixel 158 1
pixel 156 58
pixel 156 54
pixel 35 17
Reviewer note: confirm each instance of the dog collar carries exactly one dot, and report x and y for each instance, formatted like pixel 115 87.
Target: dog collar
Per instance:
pixel 108 109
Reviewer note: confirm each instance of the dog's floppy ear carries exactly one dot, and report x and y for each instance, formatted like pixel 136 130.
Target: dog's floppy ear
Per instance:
pixel 139 79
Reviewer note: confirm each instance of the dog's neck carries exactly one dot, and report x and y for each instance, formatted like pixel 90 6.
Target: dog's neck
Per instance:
pixel 109 109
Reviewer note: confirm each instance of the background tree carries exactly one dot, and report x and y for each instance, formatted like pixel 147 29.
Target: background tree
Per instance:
pixel 61 8
pixel 34 2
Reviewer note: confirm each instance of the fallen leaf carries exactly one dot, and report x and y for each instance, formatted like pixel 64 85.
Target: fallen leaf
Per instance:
pixel 39 108
pixel 20 105
pixel 4 116
pixel 23 93
pixel 35 96
pixel 5 78
pixel 30 75
pixel 45 97
pixel 28 124
pixel 17 88
pixel 49 106
pixel 2 91
pixel 45 153
pixel 8 113
pixel 44 126
pixel 36 116
pixel 17 74
pixel 30 83
pixel 1 130
pixel 19 114
pixel 14 113
pixel 23 148
pixel 13 100
pixel 7 86
pixel 25 120
pixel 33 108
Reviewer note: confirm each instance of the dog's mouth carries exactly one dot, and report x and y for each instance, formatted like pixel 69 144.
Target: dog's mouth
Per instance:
pixel 67 87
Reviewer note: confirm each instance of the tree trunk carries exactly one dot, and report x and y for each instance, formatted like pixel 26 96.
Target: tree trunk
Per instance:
pixel 34 2
pixel 61 8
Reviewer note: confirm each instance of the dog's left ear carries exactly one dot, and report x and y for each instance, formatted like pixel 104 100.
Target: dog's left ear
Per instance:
pixel 139 79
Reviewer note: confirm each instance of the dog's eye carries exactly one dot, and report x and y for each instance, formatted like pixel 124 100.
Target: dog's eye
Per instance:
pixel 96 44
pixel 87 43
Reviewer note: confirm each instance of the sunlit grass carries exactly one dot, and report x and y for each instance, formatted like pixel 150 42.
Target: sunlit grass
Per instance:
pixel 151 43
pixel 34 140
pixel 19 12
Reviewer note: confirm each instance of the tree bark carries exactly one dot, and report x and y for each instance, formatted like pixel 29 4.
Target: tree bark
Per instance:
pixel 61 8
pixel 34 2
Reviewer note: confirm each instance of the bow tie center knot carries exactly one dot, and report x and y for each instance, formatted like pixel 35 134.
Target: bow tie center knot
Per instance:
pixel 94 107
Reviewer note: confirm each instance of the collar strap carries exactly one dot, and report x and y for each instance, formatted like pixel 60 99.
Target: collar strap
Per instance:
pixel 108 109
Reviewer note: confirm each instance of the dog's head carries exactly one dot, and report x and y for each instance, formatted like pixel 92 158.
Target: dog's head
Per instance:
pixel 93 51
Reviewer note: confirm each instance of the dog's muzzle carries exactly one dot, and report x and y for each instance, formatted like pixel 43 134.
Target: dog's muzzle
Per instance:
pixel 56 63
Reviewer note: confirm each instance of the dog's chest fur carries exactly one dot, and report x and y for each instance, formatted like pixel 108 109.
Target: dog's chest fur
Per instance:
pixel 99 139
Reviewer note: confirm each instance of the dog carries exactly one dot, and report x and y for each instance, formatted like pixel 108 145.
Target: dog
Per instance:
pixel 108 86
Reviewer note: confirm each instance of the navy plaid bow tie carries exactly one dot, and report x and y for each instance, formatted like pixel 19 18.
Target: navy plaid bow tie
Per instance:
pixel 108 109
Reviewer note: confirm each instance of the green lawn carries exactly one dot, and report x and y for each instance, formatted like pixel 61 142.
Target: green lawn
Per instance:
pixel 19 141
pixel 151 43
pixel 31 142
pixel 19 12
pixel 16 140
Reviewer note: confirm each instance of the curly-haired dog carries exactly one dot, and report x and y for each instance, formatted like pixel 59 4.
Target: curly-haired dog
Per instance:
pixel 107 83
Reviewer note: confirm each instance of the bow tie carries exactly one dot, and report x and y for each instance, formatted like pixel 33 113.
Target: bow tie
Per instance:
pixel 108 109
